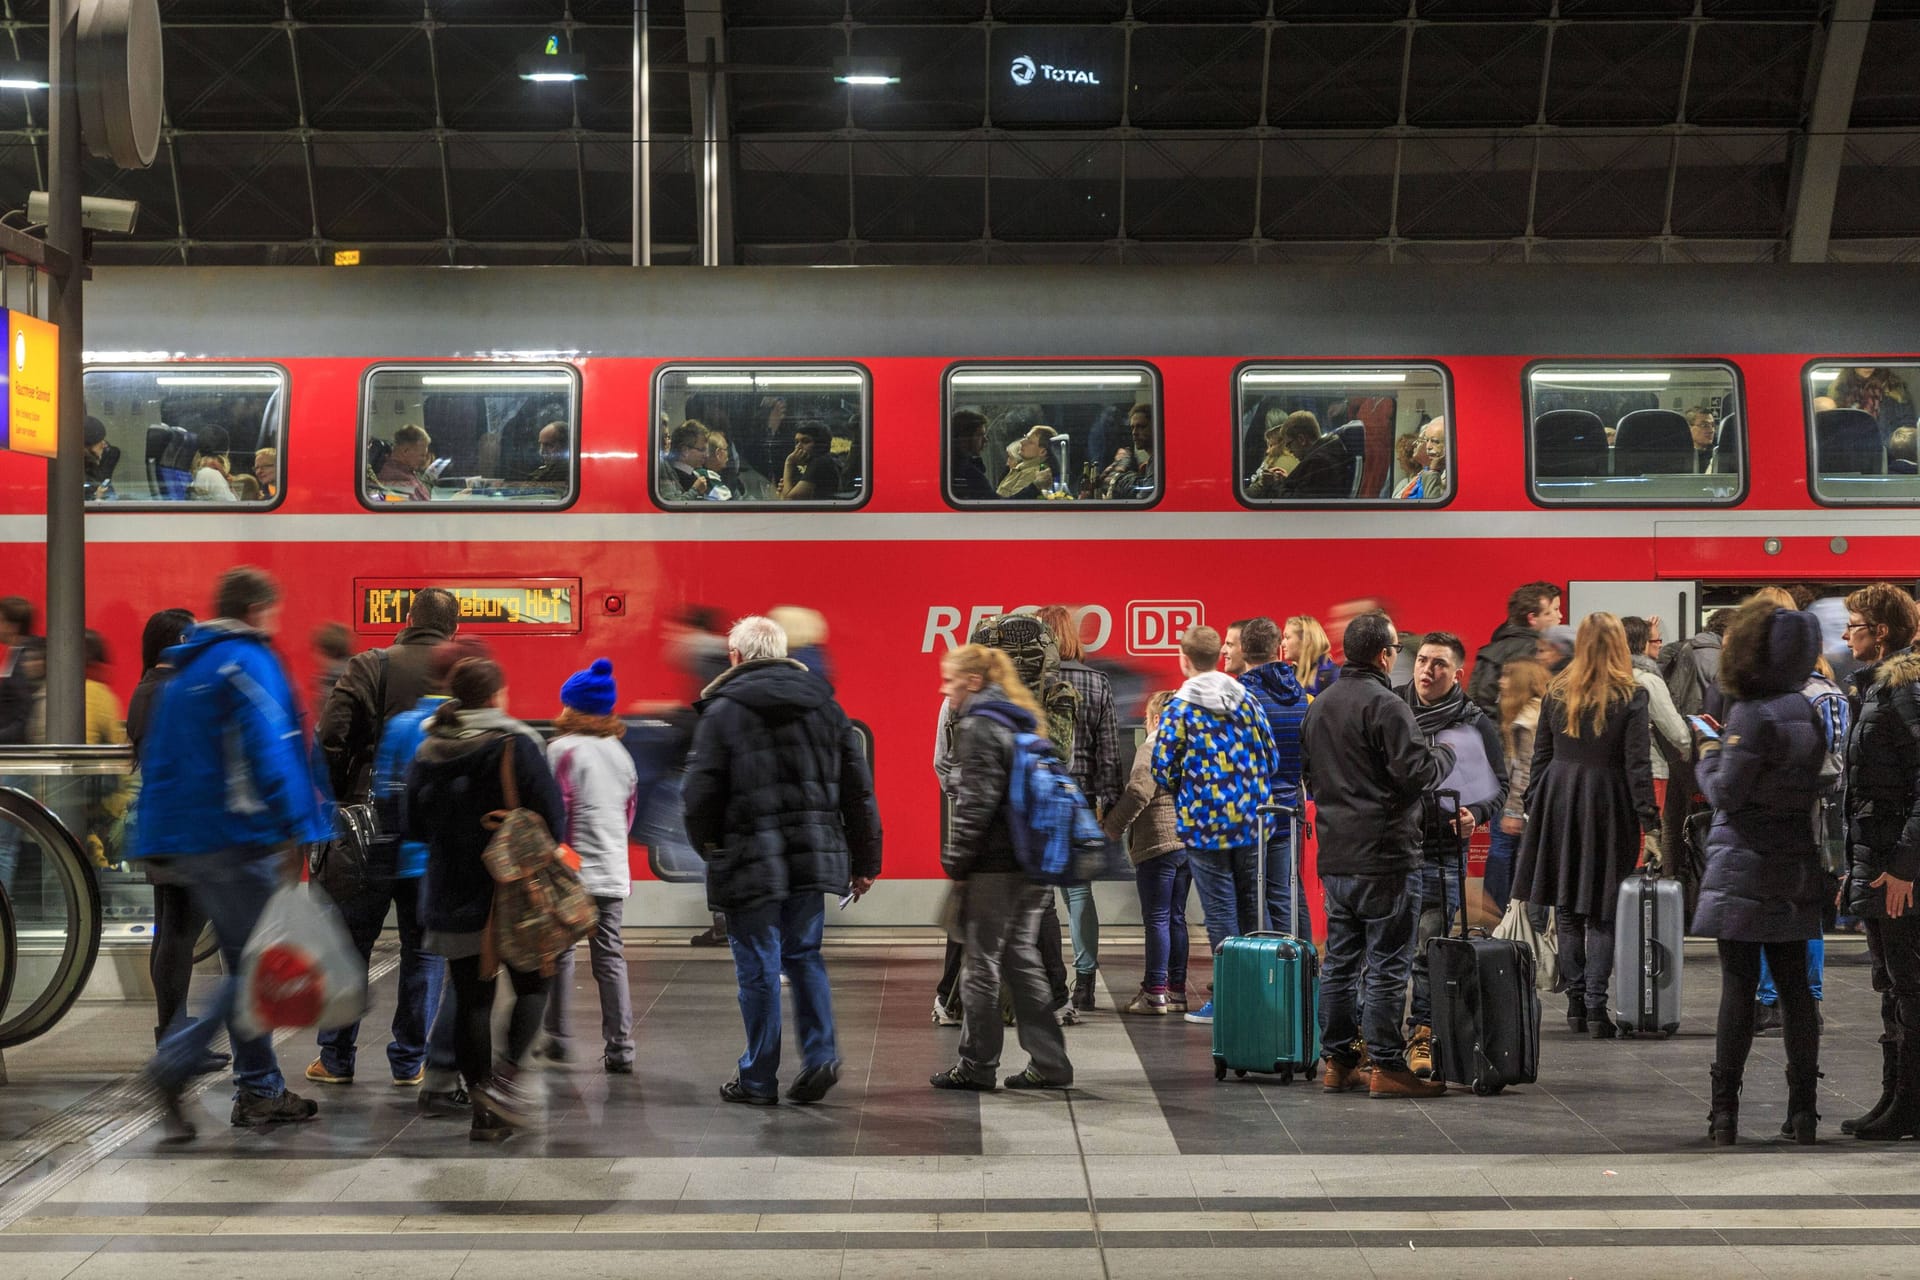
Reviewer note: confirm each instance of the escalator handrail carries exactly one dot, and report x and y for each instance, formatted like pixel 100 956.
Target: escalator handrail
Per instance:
pixel 69 761
pixel 83 934
pixel 9 949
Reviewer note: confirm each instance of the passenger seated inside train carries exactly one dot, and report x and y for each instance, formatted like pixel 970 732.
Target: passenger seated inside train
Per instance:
pixel 1878 391
pixel 101 459
pixel 1901 452
pixel 1431 480
pixel 686 475
pixel 1287 434
pixel 809 473
pixel 556 456
pixel 266 472
pixel 1030 474
pixel 400 476
pixel 213 479
pixel 1638 433
pixel 1702 427
pixel 1327 466
pixel 1130 474
pixel 966 468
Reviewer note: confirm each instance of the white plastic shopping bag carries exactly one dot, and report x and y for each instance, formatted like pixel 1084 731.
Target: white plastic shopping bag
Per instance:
pixel 300 969
pixel 1516 926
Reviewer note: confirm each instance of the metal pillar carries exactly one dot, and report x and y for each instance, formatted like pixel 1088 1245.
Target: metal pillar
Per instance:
pixel 1823 149
pixel 66 474
pixel 710 165
pixel 642 140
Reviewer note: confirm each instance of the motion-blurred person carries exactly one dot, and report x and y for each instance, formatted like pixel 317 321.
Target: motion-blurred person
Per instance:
pixel 1002 912
pixel 1144 819
pixel 227 788
pixel 1765 890
pixel 1097 768
pixel 1367 767
pixel 1883 841
pixel 1277 689
pixel 1589 797
pixel 1523 682
pixel 456 784
pixel 1531 609
pixel 806 637
pixel 1304 647
pixel 600 788
pixel 1554 648
pixel 780 804
pixel 1214 753
pixel 108 797
pixel 378 685
pixel 332 645
pixel 1672 739
pixel 696 647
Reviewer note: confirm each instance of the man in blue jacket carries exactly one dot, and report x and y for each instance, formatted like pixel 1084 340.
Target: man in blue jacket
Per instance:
pixel 229 791
pixel 1275 687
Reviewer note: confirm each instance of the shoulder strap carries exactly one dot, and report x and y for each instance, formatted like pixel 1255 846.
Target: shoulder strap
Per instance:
pixel 508 787
pixel 381 660
pixel 998 716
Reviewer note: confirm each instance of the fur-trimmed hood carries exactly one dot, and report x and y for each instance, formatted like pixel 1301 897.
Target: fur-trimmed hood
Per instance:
pixel 1902 669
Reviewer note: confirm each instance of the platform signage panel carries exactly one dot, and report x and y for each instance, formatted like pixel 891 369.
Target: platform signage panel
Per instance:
pixel 32 420
pixel 1056 75
pixel 488 606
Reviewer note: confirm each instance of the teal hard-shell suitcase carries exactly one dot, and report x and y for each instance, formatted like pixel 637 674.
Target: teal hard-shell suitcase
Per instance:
pixel 1266 986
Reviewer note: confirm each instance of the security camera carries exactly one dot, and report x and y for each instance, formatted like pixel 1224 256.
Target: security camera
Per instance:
pixel 97 213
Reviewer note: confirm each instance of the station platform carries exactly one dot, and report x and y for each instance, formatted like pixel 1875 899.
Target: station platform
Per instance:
pixel 1148 1167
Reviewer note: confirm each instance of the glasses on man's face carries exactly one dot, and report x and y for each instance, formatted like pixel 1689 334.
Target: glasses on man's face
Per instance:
pixel 1395 648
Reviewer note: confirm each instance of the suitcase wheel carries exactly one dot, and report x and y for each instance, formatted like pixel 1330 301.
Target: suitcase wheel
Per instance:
pixel 1483 1090
pixel 1220 1068
pixel 1313 1069
pixel 1286 1077
pixel 1667 1032
pixel 1239 1074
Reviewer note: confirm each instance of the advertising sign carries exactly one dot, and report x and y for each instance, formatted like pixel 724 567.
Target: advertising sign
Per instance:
pixel 32 421
pixel 487 606
pixel 1056 75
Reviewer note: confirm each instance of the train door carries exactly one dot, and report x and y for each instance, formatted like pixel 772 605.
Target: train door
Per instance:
pixel 1675 604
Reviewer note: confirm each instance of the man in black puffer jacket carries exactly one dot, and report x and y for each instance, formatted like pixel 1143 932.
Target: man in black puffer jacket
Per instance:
pixel 779 803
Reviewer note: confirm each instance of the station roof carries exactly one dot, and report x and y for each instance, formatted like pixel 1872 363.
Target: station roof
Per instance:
pixel 1147 131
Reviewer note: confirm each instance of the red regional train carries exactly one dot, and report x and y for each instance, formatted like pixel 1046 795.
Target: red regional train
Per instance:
pixel 907 450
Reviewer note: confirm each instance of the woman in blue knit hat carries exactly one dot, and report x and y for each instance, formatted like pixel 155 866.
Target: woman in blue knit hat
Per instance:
pixel 599 787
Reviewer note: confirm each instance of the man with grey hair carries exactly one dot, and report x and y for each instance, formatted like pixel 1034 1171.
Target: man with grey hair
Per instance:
pixel 779 803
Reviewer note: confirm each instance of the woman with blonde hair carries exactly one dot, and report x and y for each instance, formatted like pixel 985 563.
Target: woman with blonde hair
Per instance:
pixel 1305 647
pixel 1000 908
pixel 1523 682
pixel 1160 873
pixel 1588 802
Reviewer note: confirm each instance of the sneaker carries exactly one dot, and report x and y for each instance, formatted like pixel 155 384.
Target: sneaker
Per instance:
pixel 1149 1002
pixel 955 1078
pixel 812 1084
pixel 618 1066
pixel 1069 1016
pixel 1203 1015
pixel 1031 1079
pixel 318 1073
pixel 734 1091
pixel 443 1102
pixel 1398 1082
pixel 944 1016
pixel 1083 992
pixel 1176 999
pixel 1420 1052
pixel 251 1109
pixel 408 1082
pixel 510 1100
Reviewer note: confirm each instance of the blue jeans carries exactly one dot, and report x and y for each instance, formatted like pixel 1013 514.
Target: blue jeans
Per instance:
pixel 1163 883
pixel 1370 925
pixel 767 940
pixel 443 1041
pixel 423 978
pixel 1280 875
pixel 231 887
pixel 1083 923
pixel 1439 906
pixel 1501 851
pixel 1816 969
pixel 1225 878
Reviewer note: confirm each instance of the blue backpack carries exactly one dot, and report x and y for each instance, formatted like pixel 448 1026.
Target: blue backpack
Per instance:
pixel 1056 838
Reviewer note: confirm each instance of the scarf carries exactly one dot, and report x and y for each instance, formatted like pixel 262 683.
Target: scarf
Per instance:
pixel 478 722
pixel 1025 473
pixel 1436 716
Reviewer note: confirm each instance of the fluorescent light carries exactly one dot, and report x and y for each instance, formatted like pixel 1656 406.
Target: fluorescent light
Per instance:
pixel 553 67
pixel 9 82
pixel 218 380
pixel 1822 375
pixel 866 72
pixel 27 76
pixel 1048 379
pixel 719 379
pixel 807 380
pixel 1576 377
pixel 1330 378
pixel 496 380
pixel 856 80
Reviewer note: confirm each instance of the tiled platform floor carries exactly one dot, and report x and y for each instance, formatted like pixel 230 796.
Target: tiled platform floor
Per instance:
pixel 1148 1167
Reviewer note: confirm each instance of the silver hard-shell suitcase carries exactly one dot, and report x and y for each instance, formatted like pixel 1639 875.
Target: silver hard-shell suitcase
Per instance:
pixel 1649 927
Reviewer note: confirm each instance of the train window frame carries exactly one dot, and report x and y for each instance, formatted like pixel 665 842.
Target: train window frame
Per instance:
pixel 203 368
pixel 499 368
pixel 1156 389
pixel 1741 491
pixel 1813 444
pixel 753 367
pixel 1334 368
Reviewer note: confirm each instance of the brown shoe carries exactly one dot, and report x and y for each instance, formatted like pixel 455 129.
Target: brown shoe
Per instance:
pixel 1398 1082
pixel 1342 1077
pixel 1360 1052
pixel 1420 1052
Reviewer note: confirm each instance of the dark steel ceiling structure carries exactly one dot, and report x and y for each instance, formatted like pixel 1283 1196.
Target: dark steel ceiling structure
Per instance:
pixel 1220 131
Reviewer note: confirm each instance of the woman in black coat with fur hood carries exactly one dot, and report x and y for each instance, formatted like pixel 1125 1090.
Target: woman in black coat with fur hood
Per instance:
pixel 1764 886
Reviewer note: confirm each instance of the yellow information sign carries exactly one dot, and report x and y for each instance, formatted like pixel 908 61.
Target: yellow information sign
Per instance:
pixel 33 386
pixel 346 257
pixel 517 606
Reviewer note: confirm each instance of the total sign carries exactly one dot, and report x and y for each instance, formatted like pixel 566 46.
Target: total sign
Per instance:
pixel 32 420
pixel 1025 70
pixel 1153 627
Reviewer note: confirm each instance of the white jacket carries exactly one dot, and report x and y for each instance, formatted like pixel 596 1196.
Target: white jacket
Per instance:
pixel 600 788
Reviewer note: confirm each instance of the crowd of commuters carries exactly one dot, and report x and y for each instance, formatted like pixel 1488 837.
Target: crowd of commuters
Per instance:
pixel 1731 759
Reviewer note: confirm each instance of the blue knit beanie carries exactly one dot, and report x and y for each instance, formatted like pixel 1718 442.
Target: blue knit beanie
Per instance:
pixel 592 690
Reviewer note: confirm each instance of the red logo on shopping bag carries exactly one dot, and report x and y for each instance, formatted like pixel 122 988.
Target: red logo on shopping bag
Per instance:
pixel 288 988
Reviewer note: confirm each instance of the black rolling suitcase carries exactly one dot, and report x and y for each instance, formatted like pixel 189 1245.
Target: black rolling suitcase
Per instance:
pixel 1486 1011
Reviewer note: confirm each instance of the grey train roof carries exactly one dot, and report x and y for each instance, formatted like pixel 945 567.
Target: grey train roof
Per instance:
pixel 858 313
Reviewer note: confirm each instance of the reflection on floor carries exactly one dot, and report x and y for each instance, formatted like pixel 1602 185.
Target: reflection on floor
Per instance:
pixel 1149 1167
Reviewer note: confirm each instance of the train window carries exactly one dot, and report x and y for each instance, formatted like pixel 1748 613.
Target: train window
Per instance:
pixel 1345 433
pixel 1606 434
pixel 1862 420
pixel 469 434
pixel 185 433
pixel 742 435
pixel 1053 433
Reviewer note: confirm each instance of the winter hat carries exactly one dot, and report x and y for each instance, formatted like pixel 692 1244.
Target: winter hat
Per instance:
pixel 592 690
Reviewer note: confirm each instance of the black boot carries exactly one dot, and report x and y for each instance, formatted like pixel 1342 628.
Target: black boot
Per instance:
pixel 1577 1012
pixel 1723 1123
pixel 1901 1119
pixel 1599 1025
pixel 1802 1098
pixel 1766 1018
pixel 1889 1082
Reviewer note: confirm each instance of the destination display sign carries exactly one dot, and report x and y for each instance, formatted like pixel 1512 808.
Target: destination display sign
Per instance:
pixel 31 423
pixel 487 606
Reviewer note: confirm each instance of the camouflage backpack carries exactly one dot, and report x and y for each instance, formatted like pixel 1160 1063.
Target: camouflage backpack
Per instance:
pixel 1036 658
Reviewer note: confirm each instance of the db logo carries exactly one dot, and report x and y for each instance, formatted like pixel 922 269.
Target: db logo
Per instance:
pixel 1155 626
pixel 286 988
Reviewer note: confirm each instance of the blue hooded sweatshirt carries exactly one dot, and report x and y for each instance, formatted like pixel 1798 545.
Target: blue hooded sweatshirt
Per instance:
pixel 1279 693
pixel 226 764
